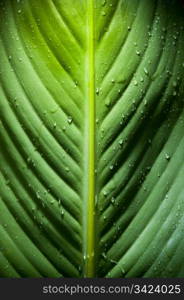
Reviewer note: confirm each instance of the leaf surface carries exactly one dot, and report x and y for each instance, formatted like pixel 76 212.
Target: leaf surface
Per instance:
pixel 91 138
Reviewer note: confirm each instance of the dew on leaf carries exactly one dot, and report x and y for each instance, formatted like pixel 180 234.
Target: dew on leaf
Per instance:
pixel 107 102
pixel 121 142
pixel 174 93
pixel 104 255
pixel 62 213
pixel 54 109
pixel 97 91
pixel 104 3
pixel 69 120
pixel 105 193
pixel 167 156
pixel 146 71
pixel 112 200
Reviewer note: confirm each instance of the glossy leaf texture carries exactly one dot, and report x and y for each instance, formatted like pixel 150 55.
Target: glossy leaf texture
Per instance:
pixel 91 138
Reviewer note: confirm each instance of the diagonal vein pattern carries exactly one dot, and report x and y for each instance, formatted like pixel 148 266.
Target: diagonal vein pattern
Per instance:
pixel 91 138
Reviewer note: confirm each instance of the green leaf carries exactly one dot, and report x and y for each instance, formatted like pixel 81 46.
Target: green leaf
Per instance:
pixel 91 138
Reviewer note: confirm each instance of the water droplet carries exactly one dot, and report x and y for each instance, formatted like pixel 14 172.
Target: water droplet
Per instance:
pixel 104 3
pixel 111 167
pixel 97 91
pixel 149 34
pixel 105 193
pixel 175 83
pixel 113 200
pixel 149 141
pixel 145 102
pixel 104 255
pixel 54 109
pixel 28 159
pixel 144 188
pixel 167 156
pixel 38 195
pixel 146 71
pixel 121 142
pixel 69 120
pixel 174 93
pixel 107 102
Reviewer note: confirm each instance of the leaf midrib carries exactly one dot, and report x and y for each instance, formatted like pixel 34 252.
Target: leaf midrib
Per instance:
pixel 89 149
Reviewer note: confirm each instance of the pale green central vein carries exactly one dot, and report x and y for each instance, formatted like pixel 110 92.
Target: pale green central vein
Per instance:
pixel 89 206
